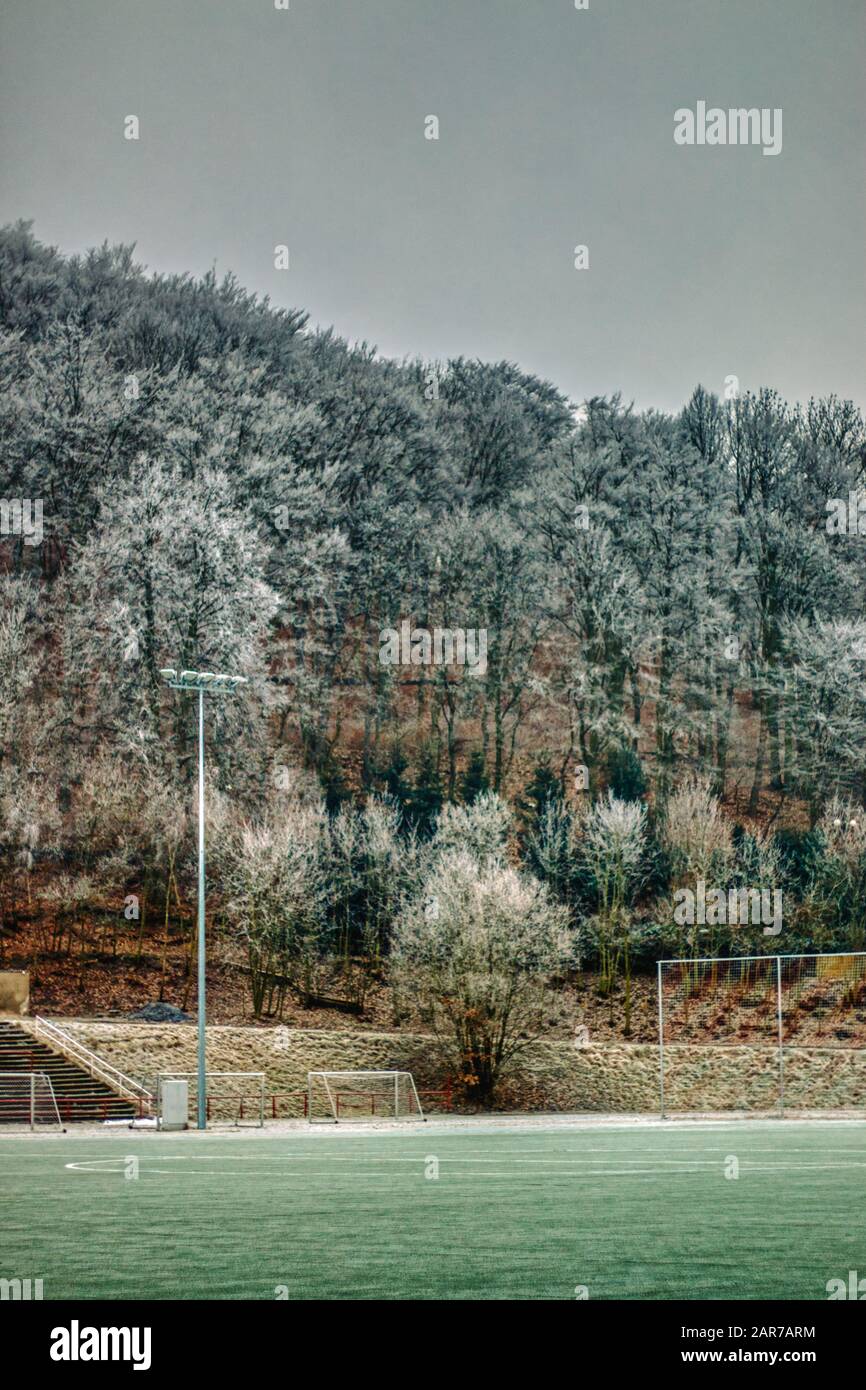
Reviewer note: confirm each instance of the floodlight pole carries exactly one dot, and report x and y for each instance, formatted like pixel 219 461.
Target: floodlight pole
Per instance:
pixel 661 1045
pixel 781 1039
pixel 200 681
pixel 202 1074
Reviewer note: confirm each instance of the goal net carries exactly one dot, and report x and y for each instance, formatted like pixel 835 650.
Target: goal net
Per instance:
pixel 27 1098
pixel 232 1097
pixel 337 1096
pixel 762 1033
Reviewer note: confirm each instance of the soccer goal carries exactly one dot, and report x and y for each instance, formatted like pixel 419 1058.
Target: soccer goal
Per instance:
pixel 338 1096
pixel 762 1034
pixel 232 1097
pixel 27 1098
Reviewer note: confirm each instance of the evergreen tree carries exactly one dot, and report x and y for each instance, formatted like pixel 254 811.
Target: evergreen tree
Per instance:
pixel 543 788
pixel 625 775
pixel 427 796
pixel 474 780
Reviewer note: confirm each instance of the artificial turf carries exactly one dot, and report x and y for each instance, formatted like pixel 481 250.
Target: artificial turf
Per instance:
pixel 636 1213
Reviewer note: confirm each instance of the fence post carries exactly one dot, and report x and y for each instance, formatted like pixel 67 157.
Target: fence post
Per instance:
pixel 781 1048
pixel 33 1100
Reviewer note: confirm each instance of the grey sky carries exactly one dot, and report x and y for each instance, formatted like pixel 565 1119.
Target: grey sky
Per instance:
pixel 556 128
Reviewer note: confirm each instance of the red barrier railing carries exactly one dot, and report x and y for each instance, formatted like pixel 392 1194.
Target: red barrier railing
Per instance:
pixel 106 1107
pixel 100 1107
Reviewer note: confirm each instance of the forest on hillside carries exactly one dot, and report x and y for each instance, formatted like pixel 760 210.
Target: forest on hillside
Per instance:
pixel 673 682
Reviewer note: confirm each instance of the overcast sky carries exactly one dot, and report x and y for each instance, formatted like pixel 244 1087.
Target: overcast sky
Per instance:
pixel 306 127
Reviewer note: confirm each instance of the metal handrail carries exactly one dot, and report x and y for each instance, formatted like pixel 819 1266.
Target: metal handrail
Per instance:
pixel 98 1069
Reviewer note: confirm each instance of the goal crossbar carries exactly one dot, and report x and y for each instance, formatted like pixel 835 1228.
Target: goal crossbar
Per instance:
pixel 338 1096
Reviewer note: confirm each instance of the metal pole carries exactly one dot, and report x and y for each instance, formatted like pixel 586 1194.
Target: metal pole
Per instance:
pixel 661 1046
pixel 781 1050
pixel 33 1100
pixel 202 1076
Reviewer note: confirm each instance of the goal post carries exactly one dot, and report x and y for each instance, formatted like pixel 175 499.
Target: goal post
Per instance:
pixel 232 1097
pixel 338 1096
pixel 27 1097
pixel 762 1033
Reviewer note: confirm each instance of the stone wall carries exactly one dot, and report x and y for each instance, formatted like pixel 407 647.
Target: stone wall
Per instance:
pixel 552 1076
pixel 623 1078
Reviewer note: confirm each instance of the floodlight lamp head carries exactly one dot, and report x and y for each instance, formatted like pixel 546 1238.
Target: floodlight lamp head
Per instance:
pixel 202 680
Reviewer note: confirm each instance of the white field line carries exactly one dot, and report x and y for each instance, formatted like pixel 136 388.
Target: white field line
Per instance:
pixel 479 1156
pixel 578 1167
pixel 585 1153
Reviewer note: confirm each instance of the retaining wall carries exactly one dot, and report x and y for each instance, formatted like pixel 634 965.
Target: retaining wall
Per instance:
pixel 550 1075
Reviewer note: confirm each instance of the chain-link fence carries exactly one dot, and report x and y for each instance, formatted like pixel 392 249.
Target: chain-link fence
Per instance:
pixel 780 1031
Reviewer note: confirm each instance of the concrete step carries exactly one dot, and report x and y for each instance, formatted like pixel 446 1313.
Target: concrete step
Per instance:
pixel 79 1095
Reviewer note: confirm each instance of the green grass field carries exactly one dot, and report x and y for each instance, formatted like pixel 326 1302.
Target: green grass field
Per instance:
pixel 638 1213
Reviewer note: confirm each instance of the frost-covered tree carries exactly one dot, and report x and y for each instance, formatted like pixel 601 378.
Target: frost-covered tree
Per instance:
pixel 481 829
pixel 476 951
pixel 171 575
pixel 275 894
pixel 826 705
pixel 613 844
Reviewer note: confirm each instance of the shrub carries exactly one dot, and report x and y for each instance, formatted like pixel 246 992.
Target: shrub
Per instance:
pixel 695 834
